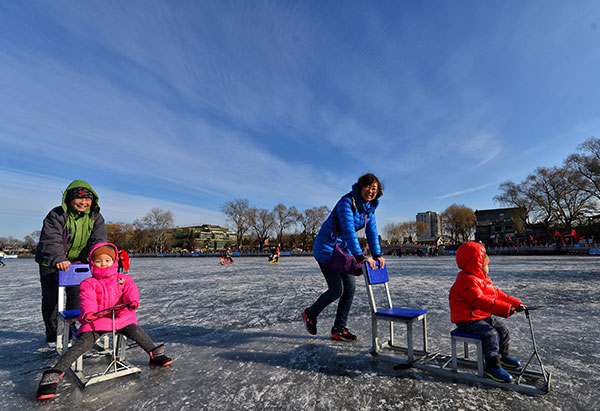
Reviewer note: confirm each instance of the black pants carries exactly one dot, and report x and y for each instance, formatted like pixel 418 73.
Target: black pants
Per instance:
pixel 340 286
pixel 86 340
pixel 49 283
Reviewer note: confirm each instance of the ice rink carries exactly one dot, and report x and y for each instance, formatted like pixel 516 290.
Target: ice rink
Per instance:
pixel 238 343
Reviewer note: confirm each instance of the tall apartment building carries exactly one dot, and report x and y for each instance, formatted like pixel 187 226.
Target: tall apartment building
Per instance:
pixel 434 226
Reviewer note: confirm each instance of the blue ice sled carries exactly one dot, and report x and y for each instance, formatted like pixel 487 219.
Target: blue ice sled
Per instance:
pixel 526 380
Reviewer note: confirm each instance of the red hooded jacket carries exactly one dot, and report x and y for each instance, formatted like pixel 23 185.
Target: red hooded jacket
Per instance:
pixel 473 296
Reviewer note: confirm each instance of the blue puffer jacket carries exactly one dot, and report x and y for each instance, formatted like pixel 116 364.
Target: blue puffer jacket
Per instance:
pixel 350 220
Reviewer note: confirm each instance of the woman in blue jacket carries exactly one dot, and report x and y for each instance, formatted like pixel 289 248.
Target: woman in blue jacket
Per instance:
pixel 353 212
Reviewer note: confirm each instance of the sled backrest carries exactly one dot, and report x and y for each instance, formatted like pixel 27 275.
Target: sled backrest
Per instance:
pixel 74 275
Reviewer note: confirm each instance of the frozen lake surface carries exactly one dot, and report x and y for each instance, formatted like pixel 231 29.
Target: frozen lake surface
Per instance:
pixel 238 342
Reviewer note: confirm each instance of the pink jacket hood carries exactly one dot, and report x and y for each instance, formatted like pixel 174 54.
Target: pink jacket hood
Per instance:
pixel 104 272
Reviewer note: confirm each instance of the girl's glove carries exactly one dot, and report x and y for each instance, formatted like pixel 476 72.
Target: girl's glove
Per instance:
pixel 133 305
pixel 89 317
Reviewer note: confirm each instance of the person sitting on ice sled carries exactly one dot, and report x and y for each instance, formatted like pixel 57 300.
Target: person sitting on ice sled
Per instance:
pixel 274 254
pixel 106 288
pixel 226 256
pixel 473 301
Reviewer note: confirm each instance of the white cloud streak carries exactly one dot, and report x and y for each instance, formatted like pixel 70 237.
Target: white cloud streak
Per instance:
pixel 469 190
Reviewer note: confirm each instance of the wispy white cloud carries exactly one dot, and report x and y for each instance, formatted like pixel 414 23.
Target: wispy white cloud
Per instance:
pixel 469 190
pixel 130 134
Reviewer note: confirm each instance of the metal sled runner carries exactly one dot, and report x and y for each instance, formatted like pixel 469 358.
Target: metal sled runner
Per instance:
pixel 532 379
pixel 115 348
pixel 118 366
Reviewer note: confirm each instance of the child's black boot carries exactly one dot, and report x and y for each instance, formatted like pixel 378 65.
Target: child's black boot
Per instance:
pixel 48 383
pixel 158 357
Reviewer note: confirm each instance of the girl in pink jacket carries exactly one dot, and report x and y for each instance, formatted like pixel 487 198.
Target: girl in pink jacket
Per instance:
pixel 106 288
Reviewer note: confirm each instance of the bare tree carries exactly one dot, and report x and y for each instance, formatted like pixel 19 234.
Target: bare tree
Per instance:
pixel 568 202
pixel 551 196
pixel 587 166
pixel 284 218
pixel 540 197
pixel 394 232
pixel 421 228
pixel 10 242
pixel 516 195
pixel 191 243
pixel 35 235
pixel 459 222
pixel 311 220
pixel 140 238
pixel 119 234
pixel 157 222
pixel 32 239
pixel 410 230
pixel 237 213
pixel 262 222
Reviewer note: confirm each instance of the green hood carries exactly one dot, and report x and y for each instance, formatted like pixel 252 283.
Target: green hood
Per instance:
pixel 80 183
pixel 79 226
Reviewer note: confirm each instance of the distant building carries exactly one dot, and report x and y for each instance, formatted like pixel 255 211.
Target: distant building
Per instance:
pixel 496 226
pixel 433 233
pixel 206 236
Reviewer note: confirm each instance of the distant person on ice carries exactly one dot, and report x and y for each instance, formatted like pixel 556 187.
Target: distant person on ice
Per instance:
pixel 106 288
pixel 473 301
pixel 274 254
pixel 68 233
pixel 123 261
pixel 353 212
pixel 226 256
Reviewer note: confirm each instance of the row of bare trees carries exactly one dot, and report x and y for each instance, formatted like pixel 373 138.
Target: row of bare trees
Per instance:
pixel 559 197
pixel 14 244
pixel 149 233
pixel 301 227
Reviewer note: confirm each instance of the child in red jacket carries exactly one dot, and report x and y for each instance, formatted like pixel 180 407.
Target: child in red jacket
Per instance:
pixel 473 301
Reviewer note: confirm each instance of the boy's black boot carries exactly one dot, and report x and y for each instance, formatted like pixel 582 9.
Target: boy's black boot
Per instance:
pixel 48 383
pixel 158 357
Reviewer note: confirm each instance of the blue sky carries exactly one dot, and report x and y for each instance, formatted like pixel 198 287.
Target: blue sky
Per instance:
pixel 185 105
